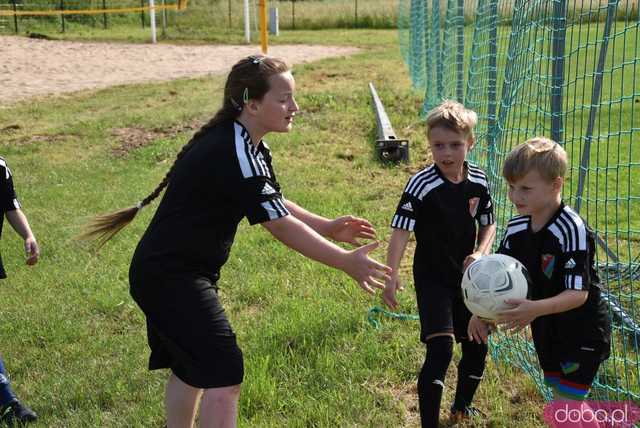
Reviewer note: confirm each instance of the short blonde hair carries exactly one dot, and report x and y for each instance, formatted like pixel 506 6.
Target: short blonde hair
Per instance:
pixel 454 116
pixel 540 154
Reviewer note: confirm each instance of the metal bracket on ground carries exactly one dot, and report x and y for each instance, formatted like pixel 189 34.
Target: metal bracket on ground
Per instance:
pixel 388 147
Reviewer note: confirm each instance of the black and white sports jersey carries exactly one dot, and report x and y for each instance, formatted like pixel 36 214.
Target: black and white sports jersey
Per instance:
pixel 443 216
pixel 559 257
pixel 8 199
pixel 223 178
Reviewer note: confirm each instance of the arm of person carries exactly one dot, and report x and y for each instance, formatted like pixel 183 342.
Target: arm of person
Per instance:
pixel 395 252
pixel 525 311
pixel 342 229
pixel 486 237
pixel 300 237
pixel 479 329
pixel 20 224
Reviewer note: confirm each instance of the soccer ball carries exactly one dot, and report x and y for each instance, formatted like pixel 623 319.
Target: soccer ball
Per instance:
pixel 491 280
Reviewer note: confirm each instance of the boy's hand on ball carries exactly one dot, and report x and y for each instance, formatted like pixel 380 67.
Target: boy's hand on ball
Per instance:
pixel 479 330
pixel 470 259
pixel 523 313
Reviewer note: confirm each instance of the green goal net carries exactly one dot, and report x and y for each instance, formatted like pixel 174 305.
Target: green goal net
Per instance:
pixel 568 70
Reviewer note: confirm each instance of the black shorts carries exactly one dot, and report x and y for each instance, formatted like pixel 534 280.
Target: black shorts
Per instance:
pixel 188 330
pixel 571 377
pixel 441 310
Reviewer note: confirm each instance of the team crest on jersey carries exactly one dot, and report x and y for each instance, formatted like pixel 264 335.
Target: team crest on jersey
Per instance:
pixel 473 206
pixel 548 260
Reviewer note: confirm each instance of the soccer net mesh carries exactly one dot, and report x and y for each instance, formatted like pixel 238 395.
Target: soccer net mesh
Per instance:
pixel 565 69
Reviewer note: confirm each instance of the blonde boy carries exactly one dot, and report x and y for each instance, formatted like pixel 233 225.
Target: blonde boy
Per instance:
pixel 569 320
pixel 448 207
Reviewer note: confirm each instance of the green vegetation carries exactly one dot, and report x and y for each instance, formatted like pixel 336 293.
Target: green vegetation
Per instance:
pixel 73 339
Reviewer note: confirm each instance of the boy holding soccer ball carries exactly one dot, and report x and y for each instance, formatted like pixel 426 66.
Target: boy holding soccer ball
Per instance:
pixel 443 204
pixel 569 320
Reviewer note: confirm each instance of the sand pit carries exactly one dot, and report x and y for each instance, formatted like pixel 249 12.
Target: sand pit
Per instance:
pixel 35 68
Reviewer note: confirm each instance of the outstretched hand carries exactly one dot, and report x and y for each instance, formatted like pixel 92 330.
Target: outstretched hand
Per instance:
pixel 367 272
pixel 348 228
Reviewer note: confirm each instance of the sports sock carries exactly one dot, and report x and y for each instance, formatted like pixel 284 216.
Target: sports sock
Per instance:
pixel 431 379
pixel 470 370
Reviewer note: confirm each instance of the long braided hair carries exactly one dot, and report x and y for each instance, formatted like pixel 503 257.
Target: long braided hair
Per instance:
pixel 248 79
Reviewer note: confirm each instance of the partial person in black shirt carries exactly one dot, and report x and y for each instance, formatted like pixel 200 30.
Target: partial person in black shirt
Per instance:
pixel 569 319
pixel 221 176
pixel 448 207
pixel 12 411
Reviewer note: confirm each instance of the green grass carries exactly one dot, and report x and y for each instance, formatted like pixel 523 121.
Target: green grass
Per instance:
pixel 74 340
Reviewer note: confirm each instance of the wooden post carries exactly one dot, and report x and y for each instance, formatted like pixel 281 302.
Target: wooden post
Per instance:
pixel 142 13
pixel 15 16
pixel 104 15
pixel 62 15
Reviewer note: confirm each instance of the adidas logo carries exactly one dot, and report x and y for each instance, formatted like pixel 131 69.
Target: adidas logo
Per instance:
pixel 570 264
pixel 407 207
pixel 268 190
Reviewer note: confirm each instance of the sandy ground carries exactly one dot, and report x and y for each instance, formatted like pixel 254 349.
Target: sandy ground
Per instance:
pixel 34 68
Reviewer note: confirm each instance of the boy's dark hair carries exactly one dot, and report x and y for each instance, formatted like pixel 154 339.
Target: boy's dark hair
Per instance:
pixel 248 79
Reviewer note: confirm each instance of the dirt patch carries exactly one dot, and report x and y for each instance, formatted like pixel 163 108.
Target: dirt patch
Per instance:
pixel 41 139
pixel 133 138
pixel 35 67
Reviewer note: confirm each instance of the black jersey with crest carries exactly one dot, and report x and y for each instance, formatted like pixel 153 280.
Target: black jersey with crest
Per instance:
pixel 444 217
pixel 559 257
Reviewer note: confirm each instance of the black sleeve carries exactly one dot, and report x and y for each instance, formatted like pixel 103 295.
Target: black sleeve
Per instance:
pixel 8 198
pixel 261 199
pixel 575 267
pixel 406 212
pixel 485 216
pixel 505 246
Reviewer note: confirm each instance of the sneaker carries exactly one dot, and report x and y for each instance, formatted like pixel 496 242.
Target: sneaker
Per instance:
pixel 16 412
pixel 460 415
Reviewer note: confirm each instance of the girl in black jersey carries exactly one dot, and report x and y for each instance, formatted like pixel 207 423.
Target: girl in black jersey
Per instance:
pixel 221 176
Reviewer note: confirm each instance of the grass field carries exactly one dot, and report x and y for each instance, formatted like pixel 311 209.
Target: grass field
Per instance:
pixel 202 19
pixel 74 341
pixel 222 20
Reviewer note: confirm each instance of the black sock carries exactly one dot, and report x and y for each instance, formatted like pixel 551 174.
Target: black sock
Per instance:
pixel 470 370
pixel 431 379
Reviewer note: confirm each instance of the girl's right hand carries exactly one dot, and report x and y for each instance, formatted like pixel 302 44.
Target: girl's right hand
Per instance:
pixel 367 272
